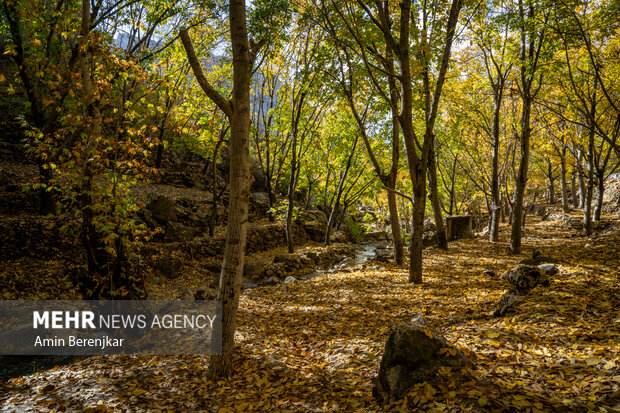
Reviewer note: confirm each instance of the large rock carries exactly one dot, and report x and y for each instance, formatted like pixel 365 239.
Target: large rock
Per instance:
pixel 507 303
pixel 429 234
pixel 413 354
pixel 162 209
pixel 376 236
pixel 253 269
pixel 313 222
pixel 524 278
pixel 549 269
pixel 177 232
pixel 168 265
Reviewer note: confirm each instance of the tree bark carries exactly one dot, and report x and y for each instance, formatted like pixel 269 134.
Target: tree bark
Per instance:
pixel 600 192
pixel 495 195
pixel 517 211
pixel 442 241
pixel 563 183
pixel 589 187
pixel 551 188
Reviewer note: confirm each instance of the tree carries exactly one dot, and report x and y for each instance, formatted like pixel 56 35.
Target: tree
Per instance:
pixel 237 110
pixel 532 28
pixel 403 39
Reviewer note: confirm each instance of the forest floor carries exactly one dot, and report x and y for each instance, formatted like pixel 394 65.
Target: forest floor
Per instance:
pixel 316 345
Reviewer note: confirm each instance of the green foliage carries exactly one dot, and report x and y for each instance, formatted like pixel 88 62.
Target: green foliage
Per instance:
pixel 354 230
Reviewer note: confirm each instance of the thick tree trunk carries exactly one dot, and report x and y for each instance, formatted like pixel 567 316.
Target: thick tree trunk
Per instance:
pixel 517 212
pixel 442 241
pixel 415 248
pixel 495 197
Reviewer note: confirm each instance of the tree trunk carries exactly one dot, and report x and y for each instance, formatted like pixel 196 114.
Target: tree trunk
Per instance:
pixel 589 187
pixel 415 248
pixel 573 190
pixel 517 212
pixel 442 241
pixel 290 243
pixel 339 190
pixel 580 181
pixel 495 197
pixel 395 225
pixel 551 188
pixel 238 113
pixel 563 183
pixel 600 191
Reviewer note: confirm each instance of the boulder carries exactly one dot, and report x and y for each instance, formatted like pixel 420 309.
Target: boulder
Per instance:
pixel 340 236
pixel 177 232
pixel 376 236
pixel 313 222
pixel 168 265
pixel 549 269
pixel 429 234
pixel 205 294
pixel 253 269
pixel 524 278
pixel 290 279
pixel 507 303
pixel 348 262
pixel 162 209
pixel 383 255
pixel 413 354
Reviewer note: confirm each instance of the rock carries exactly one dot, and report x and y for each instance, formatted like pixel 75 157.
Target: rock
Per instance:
pixel 177 232
pixel 147 216
pixel 412 355
pixel 162 209
pixel 168 265
pixel 507 303
pixel 549 269
pixel 271 280
pixel 313 222
pixel 340 236
pixel 186 294
pixel 346 263
pixel 376 236
pixel 523 278
pixel 281 258
pixel 383 255
pixel 214 267
pixel 205 294
pixel 420 319
pixel 253 269
pixel 289 279
pixel 260 198
pixel 488 273
pixel 249 284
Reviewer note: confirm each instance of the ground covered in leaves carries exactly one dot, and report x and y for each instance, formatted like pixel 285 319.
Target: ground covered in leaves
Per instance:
pixel 316 345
